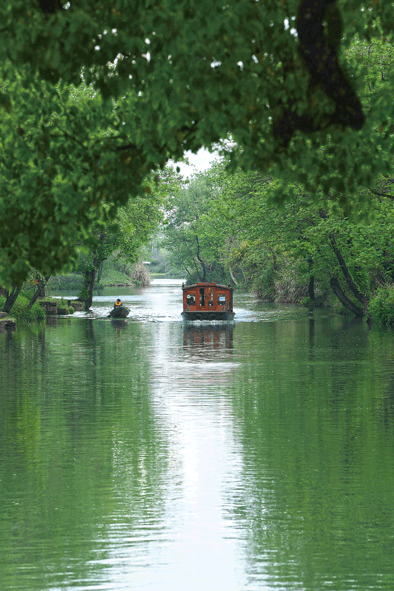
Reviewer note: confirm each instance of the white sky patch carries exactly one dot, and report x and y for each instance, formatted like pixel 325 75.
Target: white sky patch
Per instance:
pixel 198 162
pixel 286 23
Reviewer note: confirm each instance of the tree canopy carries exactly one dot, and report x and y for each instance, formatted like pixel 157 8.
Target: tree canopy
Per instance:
pixel 303 89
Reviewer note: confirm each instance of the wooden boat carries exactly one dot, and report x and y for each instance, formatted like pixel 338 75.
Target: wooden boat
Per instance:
pixel 119 312
pixel 207 301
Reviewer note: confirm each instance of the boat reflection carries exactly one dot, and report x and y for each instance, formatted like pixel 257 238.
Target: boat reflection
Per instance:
pixel 118 323
pixel 204 338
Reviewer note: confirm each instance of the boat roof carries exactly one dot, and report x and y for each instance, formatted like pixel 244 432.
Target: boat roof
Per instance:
pixel 206 284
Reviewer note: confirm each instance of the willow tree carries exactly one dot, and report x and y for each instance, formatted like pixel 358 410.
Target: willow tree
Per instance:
pixel 173 76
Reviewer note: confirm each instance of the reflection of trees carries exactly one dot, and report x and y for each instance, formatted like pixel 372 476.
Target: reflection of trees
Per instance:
pixel 80 450
pixel 317 498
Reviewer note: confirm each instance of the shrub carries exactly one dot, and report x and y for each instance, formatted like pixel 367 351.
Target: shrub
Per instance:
pixel 381 305
pixel 112 277
pixel 140 275
pixel 21 312
pixel 71 282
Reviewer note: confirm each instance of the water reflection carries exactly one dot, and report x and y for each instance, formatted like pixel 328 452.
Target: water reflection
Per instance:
pixel 51 320
pixel 203 340
pixel 82 464
pixel 168 456
pixel 118 323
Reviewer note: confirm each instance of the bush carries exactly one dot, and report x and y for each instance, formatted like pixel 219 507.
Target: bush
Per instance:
pixel 71 282
pixel 381 305
pixel 140 275
pixel 22 313
pixel 112 277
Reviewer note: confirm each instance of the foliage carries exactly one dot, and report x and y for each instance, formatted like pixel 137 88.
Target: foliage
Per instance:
pixel 140 274
pixel 193 233
pixel 69 282
pixel 381 305
pixel 312 238
pixel 93 100
pixel 131 228
pixel 158 256
pixel 57 177
pixel 111 276
pixel 20 309
pixel 309 250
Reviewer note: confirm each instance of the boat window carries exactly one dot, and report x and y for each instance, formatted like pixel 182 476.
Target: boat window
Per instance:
pixel 221 298
pixel 190 299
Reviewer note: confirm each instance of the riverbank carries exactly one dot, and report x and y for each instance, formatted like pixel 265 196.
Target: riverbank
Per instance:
pixel 23 313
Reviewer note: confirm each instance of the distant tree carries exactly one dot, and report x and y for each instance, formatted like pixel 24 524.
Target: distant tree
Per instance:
pixel 192 233
pixel 132 228
pixel 313 239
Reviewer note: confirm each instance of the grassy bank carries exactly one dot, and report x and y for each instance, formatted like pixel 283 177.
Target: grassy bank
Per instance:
pixel 21 312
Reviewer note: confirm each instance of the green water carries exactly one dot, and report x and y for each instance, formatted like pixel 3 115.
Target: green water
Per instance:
pixel 148 454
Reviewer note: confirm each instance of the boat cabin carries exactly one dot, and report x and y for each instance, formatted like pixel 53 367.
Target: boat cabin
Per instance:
pixel 207 301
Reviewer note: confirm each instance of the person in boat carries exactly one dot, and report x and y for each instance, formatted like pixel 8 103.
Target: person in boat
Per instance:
pixel 117 303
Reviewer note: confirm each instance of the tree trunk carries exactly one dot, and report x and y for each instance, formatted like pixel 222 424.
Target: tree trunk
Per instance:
pixel 311 285
pixel 90 277
pixel 232 276
pixel 11 298
pixel 203 268
pixel 348 278
pixel 86 293
pixel 274 259
pixel 342 297
pixel 40 292
pixel 100 270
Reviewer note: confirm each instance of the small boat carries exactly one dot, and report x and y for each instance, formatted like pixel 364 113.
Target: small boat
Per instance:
pixel 119 312
pixel 207 301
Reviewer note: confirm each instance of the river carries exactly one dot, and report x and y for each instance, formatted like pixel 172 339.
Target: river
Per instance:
pixel 148 454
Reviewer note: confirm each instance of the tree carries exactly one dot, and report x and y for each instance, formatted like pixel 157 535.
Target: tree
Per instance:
pixel 314 239
pixel 177 76
pixel 131 228
pixel 193 233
